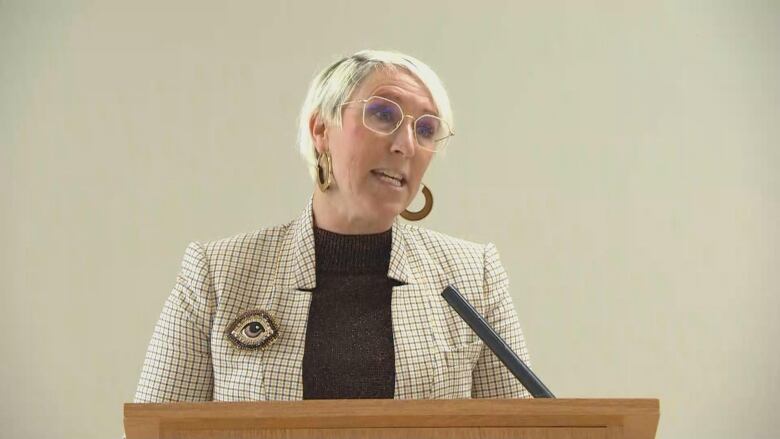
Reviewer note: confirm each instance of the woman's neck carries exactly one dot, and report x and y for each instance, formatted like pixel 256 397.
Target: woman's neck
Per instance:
pixel 335 217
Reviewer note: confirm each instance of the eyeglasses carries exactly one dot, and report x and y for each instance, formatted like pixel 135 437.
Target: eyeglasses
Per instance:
pixel 383 116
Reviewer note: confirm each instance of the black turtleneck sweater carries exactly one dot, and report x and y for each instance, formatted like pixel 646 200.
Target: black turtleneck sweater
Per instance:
pixel 349 336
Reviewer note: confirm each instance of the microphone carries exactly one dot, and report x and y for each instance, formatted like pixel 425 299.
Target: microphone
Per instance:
pixel 496 344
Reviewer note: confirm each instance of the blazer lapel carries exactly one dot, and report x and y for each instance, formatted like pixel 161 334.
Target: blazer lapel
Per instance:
pixel 414 322
pixel 294 279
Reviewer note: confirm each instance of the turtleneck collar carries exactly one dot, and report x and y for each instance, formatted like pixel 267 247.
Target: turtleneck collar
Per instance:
pixel 354 254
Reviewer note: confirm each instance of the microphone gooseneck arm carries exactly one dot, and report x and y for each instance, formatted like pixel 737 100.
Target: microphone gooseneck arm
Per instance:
pixel 496 344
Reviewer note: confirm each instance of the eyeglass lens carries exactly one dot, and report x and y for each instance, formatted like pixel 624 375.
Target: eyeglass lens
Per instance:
pixel 385 116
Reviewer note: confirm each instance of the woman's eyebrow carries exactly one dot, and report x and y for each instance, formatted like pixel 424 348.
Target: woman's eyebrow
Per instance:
pixel 396 97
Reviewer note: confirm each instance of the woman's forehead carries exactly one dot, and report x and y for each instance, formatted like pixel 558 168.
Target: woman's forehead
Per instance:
pixel 399 85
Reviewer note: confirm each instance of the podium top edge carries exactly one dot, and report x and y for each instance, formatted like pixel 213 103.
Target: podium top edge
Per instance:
pixel 380 407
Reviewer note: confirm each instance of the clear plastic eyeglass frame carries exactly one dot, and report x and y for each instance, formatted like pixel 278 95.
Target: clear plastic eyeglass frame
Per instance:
pixel 439 143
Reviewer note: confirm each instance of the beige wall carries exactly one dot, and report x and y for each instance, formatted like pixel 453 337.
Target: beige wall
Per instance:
pixel 622 155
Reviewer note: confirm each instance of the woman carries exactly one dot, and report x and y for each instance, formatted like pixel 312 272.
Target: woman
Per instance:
pixel 342 302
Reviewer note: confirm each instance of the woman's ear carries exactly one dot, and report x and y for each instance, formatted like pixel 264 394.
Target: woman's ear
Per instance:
pixel 319 133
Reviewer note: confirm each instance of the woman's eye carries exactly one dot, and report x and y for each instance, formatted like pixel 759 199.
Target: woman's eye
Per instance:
pixel 425 131
pixel 383 115
pixel 253 329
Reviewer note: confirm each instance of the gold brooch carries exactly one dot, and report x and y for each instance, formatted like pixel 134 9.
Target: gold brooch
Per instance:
pixel 254 329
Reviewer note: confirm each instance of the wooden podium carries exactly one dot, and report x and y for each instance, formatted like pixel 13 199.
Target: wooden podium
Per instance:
pixel 387 418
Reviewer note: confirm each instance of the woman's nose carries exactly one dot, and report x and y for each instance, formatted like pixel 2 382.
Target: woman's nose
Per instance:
pixel 404 141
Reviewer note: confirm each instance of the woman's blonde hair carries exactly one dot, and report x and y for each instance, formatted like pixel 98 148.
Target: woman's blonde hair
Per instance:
pixel 335 85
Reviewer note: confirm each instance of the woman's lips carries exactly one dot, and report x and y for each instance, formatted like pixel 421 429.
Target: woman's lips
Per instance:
pixel 388 180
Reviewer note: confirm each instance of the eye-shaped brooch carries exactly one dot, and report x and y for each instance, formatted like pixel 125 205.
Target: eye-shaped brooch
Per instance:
pixel 254 329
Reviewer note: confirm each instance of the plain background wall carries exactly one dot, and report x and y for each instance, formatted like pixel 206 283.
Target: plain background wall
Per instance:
pixel 623 156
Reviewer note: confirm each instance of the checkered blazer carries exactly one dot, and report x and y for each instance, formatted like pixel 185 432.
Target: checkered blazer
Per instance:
pixel 437 356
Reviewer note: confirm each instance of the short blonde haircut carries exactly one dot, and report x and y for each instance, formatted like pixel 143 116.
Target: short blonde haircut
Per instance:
pixel 335 85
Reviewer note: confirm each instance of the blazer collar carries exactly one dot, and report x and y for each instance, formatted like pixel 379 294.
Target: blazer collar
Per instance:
pixel 303 258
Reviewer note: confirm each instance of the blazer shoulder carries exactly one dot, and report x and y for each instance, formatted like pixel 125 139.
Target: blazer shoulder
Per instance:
pixel 246 261
pixel 453 260
pixel 431 239
pixel 257 242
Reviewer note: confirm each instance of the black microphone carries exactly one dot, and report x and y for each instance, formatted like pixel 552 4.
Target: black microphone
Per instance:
pixel 496 344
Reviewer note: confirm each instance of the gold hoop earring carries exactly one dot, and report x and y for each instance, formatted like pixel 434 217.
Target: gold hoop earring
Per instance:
pixel 324 173
pixel 422 213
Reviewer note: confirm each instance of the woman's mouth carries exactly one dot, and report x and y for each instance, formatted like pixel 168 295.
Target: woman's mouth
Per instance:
pixel 390 179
